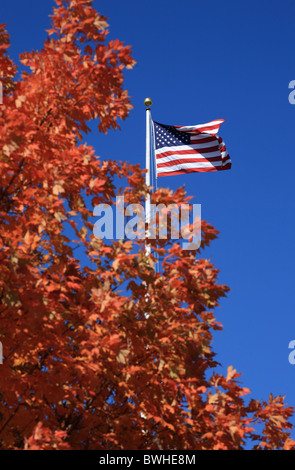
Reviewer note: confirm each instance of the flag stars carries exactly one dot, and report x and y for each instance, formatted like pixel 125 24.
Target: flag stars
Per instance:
pixel 166 136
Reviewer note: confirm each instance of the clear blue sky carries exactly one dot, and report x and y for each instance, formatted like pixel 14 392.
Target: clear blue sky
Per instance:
pixel 200 61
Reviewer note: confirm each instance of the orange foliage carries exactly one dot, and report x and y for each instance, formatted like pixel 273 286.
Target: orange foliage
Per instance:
pixel 85 367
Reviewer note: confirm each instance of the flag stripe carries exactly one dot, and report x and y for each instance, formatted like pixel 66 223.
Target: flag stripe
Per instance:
pixel 189 160
pixel 197 170
pixel 182 165
pixel 187 148
pixel 201 127
pixel 203 138
pixel 188 151
pixel 192 156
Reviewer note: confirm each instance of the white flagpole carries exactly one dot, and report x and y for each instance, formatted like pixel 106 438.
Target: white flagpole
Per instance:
pixel 148 103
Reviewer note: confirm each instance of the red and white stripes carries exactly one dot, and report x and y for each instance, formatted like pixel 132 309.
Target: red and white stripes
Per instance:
pixel 205 152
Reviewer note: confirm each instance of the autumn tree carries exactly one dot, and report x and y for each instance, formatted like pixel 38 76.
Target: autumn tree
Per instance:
pixel 107 354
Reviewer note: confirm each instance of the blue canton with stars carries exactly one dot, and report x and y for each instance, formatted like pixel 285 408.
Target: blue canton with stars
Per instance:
pixel 168 136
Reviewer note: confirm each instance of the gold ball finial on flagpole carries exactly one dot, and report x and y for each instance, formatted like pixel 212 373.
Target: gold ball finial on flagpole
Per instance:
pixel 148 102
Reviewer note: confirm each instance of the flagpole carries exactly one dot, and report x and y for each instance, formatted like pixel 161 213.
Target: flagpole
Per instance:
pixel 148 103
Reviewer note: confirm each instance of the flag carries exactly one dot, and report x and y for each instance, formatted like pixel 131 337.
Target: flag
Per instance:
pixel 188 149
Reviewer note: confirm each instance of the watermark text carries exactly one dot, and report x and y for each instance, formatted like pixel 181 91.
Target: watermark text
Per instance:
pixel 159 221
pixel 292 353
pixel 292 94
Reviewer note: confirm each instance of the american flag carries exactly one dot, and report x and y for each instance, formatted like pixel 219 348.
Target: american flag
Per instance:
pixel 188 149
